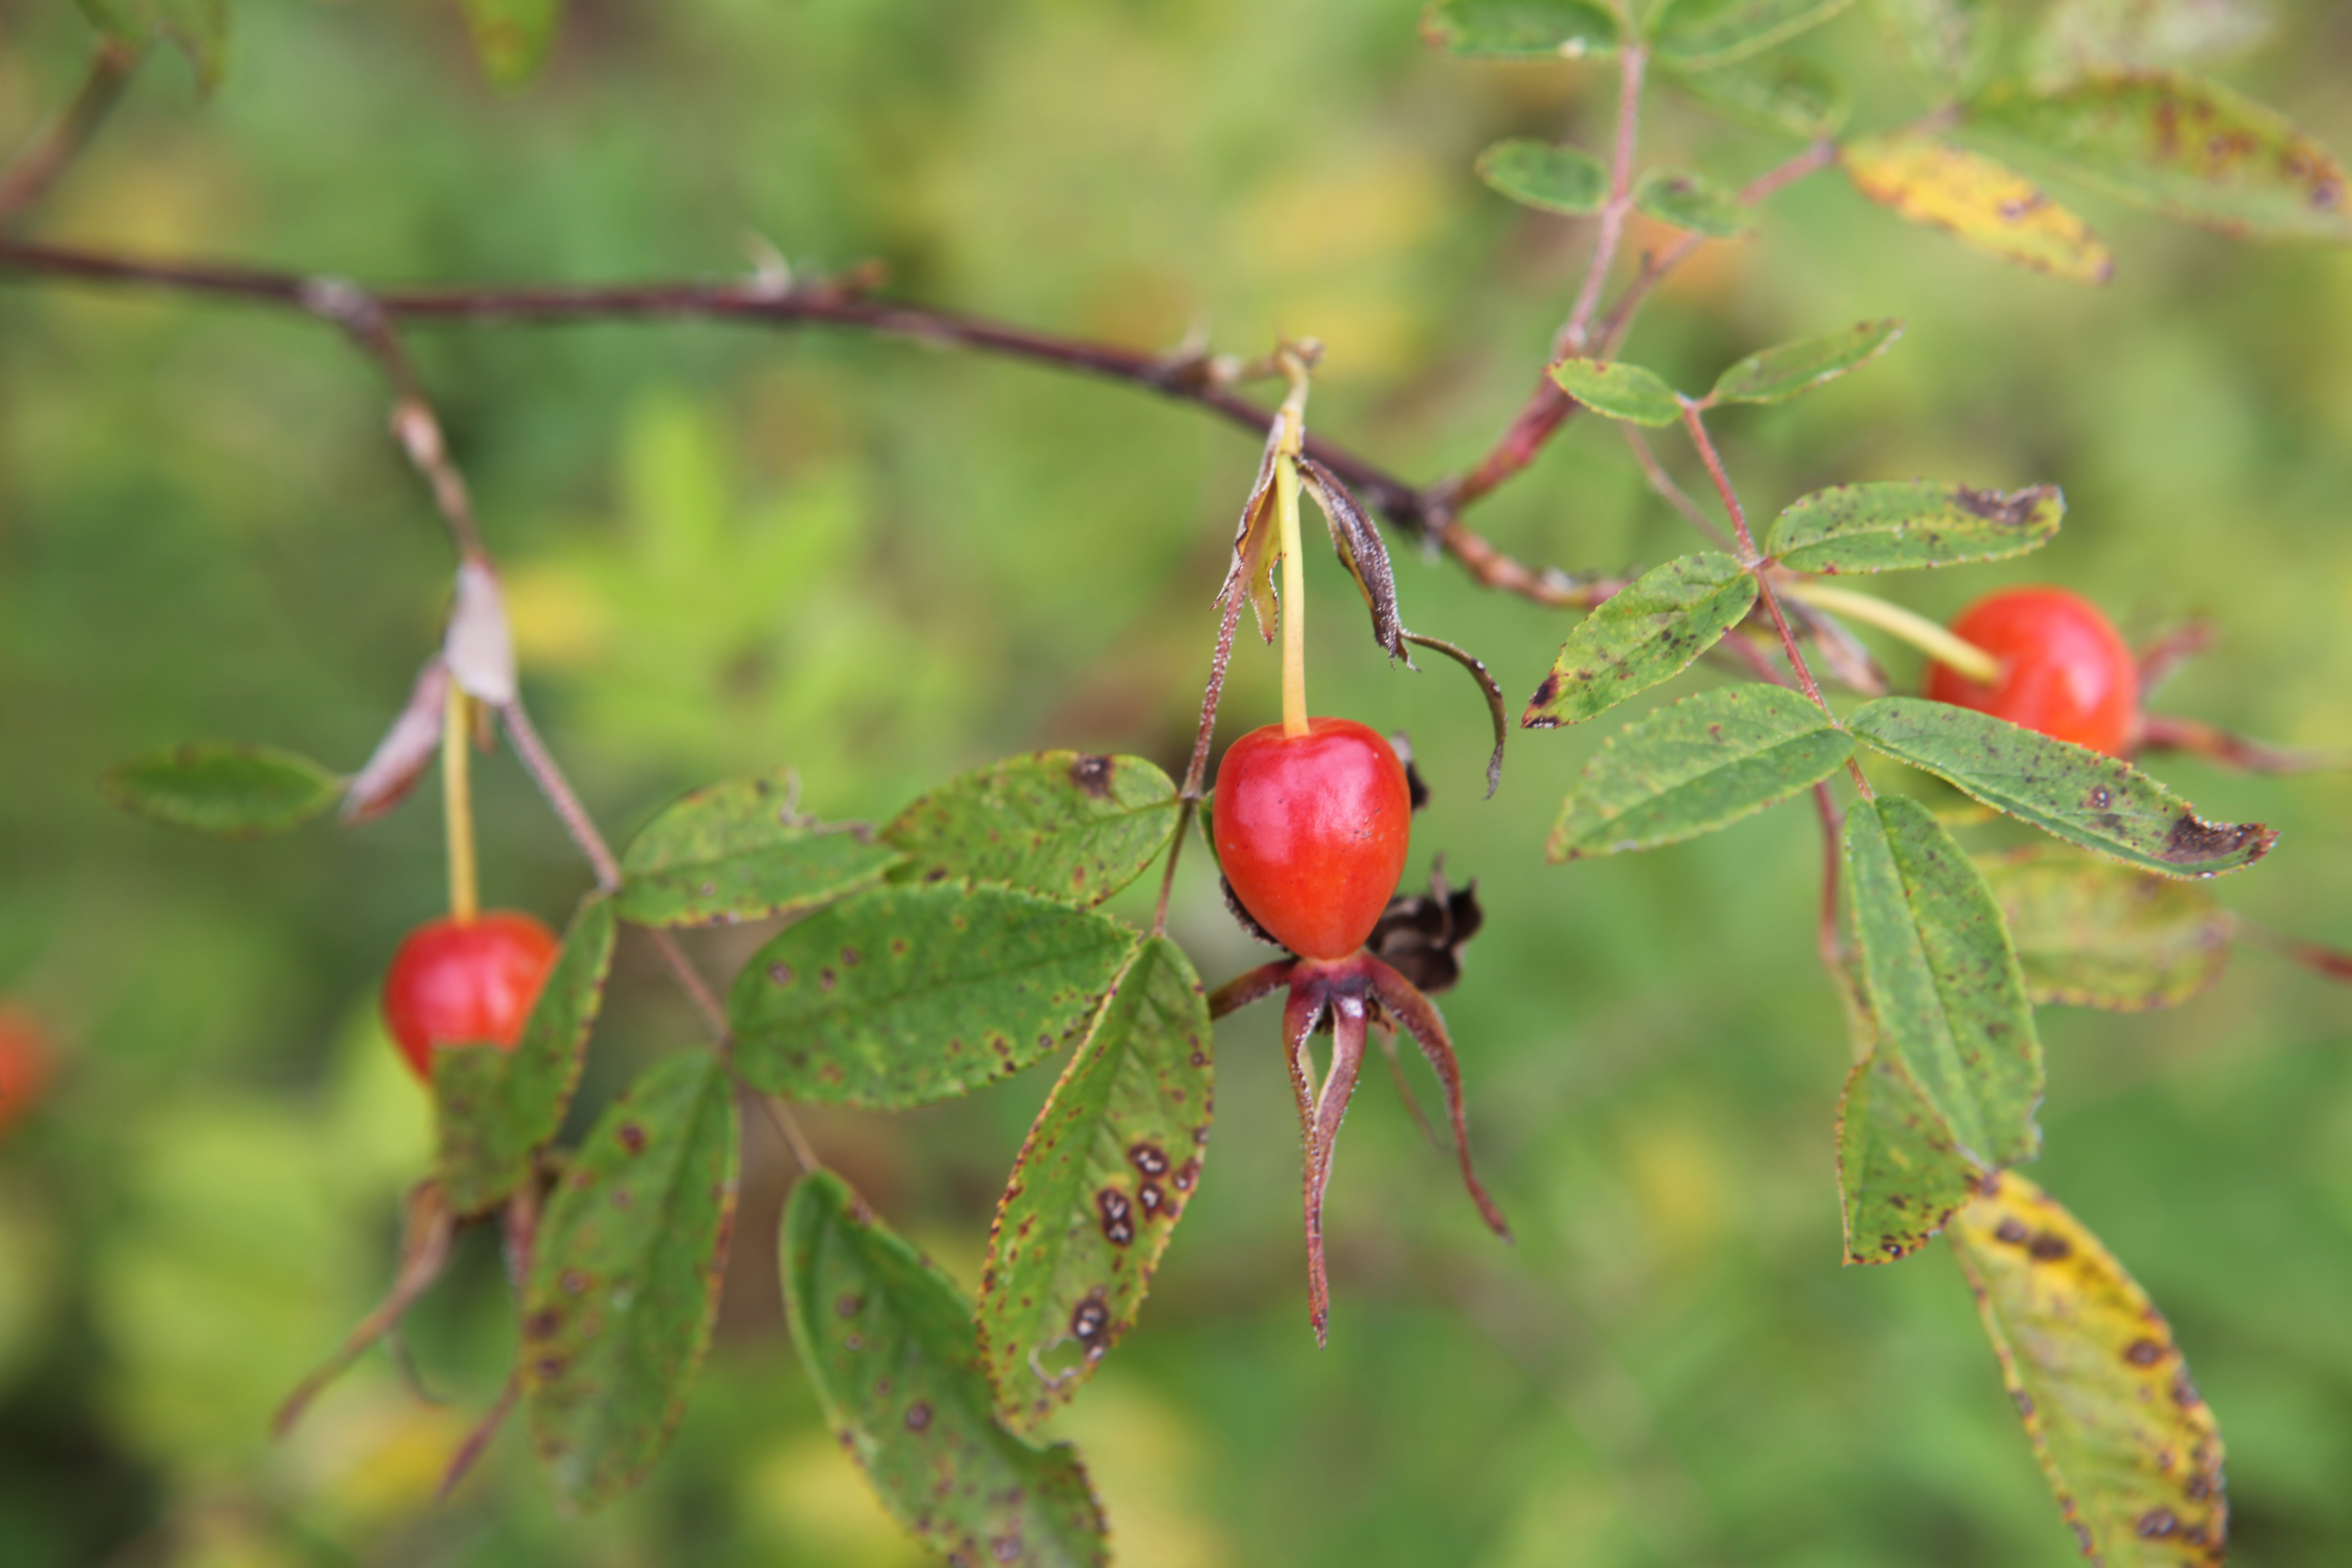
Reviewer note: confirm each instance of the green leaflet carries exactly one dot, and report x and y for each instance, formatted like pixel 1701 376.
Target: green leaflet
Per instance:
pixel 905 995
pixel 1642 635
pixel 1781 93
pixel 2092 933
pixel 493 1110
pixel 1898 1170
pixel 1095 1196
pixel 738 851
pixel 887 1342
pixel 1950 41
pixel 1897 525
pixel 511 37
pixel 1777 375
pixel 1617 391
pixel 2092 799
pixel 222 789
pixel 1520 29
pixel 1073 827
pixel 197 29
pixel 1694 202
pixel 1699 32
pixel 1703 764
pixel 624 1281
pixel 2078 35
pixel 1943 979
pixel 2190 149
pixel 1566 180
pixel 2132 1452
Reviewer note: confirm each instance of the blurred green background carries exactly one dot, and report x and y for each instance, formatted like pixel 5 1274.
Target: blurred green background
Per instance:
pixel 731 548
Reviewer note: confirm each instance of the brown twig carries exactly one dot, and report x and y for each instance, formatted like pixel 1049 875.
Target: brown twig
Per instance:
pixel 28 175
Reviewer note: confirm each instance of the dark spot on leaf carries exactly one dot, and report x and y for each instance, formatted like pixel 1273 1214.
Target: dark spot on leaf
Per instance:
pixel 1089 1321
pixel 1092 774
pixel 543 1324
pixel 2101 797
pixel 1186 1175
pixel 918 1416
pixel 846 1306
pixel 1150 1199
pixel 623 1198
pixel 2184 1393
pixel 1148 1159
pixel 856 1341
pixel 631 1137
pixel 574 1282
pixel 2157 1524
pixel 2192 840
pixel 1545 693
pixel 2012 510
pixel 547 1368
pixel 2143 1353
pixel 1118 1217
pixel 2049 1248
pixel 826 979
pixel 850 958
pixel 1006 1548
pixel 2009 1231
pixel 782 973
pixel 2024 1401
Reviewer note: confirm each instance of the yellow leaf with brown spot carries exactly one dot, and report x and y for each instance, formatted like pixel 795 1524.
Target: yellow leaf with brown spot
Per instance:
pixel 1985 206
pixel 2131 1450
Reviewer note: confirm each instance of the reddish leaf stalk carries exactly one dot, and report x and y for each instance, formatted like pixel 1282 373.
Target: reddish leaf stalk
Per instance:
pixel 1611 233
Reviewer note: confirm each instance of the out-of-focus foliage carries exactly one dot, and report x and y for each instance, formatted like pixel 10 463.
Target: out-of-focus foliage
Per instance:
pixel 732 550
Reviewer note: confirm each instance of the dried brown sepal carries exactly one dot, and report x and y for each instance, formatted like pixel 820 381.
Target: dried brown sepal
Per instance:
pixel 1356 541
pixel 1496 709
pixel 1419 934
pixel 478 645
pixel 1256 541
pixel 427 1232
pixel 1416 791
pixel 407 749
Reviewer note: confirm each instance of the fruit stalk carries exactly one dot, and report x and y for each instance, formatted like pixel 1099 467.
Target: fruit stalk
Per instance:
pixel 1294 601
pixel 1917 630
pixel 457 806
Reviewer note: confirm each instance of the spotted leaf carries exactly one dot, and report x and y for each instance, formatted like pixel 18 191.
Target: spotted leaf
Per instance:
pixel 1983 203
pixel 1520 29
pixel 1073 827
pixel 1893 525
pixel 2091 933
pixel 741 850
pixel 1699 33
pixel 1899 1171
pixel 1645 633
pixel 1777 92
pixel 223 790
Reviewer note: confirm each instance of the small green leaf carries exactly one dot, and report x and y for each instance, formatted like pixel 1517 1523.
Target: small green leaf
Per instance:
pixel 1618 390
pixel 738 851
pixel 511 37
pixel 1095 1196
pixel 2091 933
pixel 1699 32
pixel 1703 764
pixel 2132 1452
pixel 1694 202
pixel 2190 149
pixel 1984 205
pixel 2084 796
pixel 1779 92
pixel 1520 29
pixel 197 29
pixel 905 996
pixel 496 1109
pixel 2079 36
pixel 1778 374
pixel 1072 826
pixel 1943 979
pixel 222 789
pixel 1949 41
pixel 1644 632
pixel 1551 179
pixel 887 1342
pixel 1898 1170
pixel 1897 525
pixel 624 1282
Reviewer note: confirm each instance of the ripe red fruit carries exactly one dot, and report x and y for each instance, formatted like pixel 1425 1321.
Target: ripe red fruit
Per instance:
pixel 2064 670
pixel 1312 831
pixel 24 1064
pixel 470 983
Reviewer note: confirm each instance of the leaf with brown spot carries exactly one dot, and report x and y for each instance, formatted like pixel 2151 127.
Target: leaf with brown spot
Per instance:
pixel 1073 827
pixel 1899 1171
pixel 624 1283
pixel 1644 634
pixel 1693 202
pixel 1128 1116
pixel 1984 205
pixel 887 1342
pixel 1902 525
pixel 740 851
pixel 2133 1454
pixel 2091 933
pixel 2190 149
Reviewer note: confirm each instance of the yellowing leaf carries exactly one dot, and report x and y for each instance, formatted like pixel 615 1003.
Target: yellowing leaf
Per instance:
pixel 1985 206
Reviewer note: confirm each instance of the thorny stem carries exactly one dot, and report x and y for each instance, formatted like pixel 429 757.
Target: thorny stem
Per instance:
pixel 1912 627
pixel 457 804
pixel 1611 231
pixel 28 176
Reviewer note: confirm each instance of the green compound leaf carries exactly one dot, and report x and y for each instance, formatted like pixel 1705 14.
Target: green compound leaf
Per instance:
pixel 1986 206
pixel 1780 93
pixel 222 789
pixel 1703 764
pixel 1618 390
pixel 1106 1171
pixel 624 1282
pixel 738 851
pixel 2132 1452
pixel 905 995
pixel 1567 180
pixel 1520 29
pixel 1644 632
pixel 2190 149
pixel 1943 979
pixel 1900 1174
pixel 1950 41
pixel 887 1341
pixel 1701 32
pixel 2084 796
pixel 1694 202
pixel 1780 373
pixel 1899 525
pixel 2078 35
pixel 197 29
pixel 511 37
pixel 2091 933
pixel 1072 826
pixel 493 1110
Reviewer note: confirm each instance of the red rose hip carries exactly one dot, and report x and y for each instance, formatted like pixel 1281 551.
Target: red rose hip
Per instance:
pixel 2064 669
pixel 1312 830
pixel 466 983
pixel 24 1057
